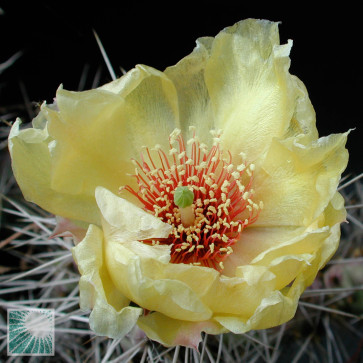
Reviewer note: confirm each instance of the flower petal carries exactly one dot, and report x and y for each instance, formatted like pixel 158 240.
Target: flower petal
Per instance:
pixel 139 275
pixel 296 181
pixel 98 131
pixel 193 98
pixel 274 309
pixel 172 332
pixel 137 269
pixel 111 316
pixel 251 92
pixel 92 137
pixel 123 220
pixel 32 164
pixel 65 227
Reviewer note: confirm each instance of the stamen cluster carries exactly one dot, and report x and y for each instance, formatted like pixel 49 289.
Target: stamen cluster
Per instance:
pixel 223 198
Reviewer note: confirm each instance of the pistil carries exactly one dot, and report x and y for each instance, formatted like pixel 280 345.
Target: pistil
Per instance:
pixel 183 198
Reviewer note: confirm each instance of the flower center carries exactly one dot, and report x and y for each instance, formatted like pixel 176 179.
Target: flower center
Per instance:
pixel 201 194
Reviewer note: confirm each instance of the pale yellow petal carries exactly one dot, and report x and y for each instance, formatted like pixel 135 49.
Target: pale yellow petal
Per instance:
pixel 252 94
pixel 30 150
pixel 335 211
pixel 255 241
pixel 137 269
pixel 274 309
pixel 193 98
pixel 172 332
pixel 105 320
pixel 296 182
pixel 111 316
pixel 123 220
pixel 93 136
pixel 241 295
pixel 88 131
pixel 140 276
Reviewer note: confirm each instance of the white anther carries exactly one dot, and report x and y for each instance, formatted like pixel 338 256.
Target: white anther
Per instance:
pixel 174 135
pixel 229 168
pixel 209 181
pixel 241 167
pixel 236 175
pixel 243 155
pixel 181 155
pixel 224 197
pixel 212 209
pixel 193 178
pixel 203 190
pixel 203 147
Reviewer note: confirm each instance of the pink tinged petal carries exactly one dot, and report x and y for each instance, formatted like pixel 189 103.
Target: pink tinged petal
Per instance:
pixel 172 332
pixel 67 228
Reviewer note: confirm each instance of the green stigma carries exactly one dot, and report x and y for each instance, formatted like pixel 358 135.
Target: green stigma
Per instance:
pixel 183 197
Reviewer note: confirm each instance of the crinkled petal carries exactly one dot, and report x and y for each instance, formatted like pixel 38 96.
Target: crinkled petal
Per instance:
pixel 297 182
pixel 93 135
pixel 98 132
pixel 251 92
pixel 32 165
pixel 140 276
pixel 125 221
pixel 172 332
pixel 137 269
pixel 193 97
pixel 274 309
pixel 111 316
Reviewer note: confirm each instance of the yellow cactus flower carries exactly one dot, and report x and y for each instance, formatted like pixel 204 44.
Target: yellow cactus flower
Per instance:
pixel 210 200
